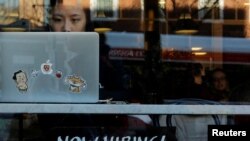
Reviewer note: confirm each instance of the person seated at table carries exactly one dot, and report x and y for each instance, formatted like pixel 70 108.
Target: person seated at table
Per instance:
pixel 72 16
pixel 196 84
pixel 220 90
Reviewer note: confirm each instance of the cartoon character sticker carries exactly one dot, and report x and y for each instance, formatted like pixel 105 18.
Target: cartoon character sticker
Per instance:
pixel 21 80
pixel 76 83
pixel 46 68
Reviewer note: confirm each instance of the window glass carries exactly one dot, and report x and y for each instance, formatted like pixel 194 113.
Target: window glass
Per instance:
pixel 152 52
pixel 155 47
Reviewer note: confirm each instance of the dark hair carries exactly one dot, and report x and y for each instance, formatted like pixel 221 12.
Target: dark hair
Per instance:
pixel 89 24
pixel 218 70
pixel 14 76
pixel 53 2
pixel 196 68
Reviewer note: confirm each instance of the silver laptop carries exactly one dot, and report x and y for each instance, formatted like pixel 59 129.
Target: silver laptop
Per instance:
pixel 49 67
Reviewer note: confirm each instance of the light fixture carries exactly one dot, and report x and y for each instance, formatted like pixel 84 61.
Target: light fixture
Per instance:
pixel 186 25
pixel 196 48
pixel 102 29
pixel 20 25
pixel 199 53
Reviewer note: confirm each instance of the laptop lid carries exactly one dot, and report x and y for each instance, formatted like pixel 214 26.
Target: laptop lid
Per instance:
pixel 49 67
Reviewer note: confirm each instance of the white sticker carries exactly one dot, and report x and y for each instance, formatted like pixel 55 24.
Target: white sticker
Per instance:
pixel 46 68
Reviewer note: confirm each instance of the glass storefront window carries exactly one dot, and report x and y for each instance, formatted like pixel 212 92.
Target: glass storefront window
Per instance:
pixel 193 55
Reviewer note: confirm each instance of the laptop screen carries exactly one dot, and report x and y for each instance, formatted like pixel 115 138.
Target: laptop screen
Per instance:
pixel 49 67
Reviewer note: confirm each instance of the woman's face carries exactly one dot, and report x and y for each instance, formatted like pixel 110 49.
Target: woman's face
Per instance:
pixel 68 18
pixel 220 82
pixel 21 78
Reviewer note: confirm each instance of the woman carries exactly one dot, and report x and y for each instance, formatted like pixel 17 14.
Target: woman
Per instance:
pixel 220 90
pixel 196 86
pixel 69 16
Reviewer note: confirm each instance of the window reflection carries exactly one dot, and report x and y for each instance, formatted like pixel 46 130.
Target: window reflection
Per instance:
pixel 145 61
pixel 220 39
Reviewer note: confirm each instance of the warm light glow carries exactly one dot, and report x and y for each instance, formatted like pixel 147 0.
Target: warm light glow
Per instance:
pixel 199 53
pixel 102 29
pixel 196 48
pixel 246 4
pixel 186 31
pixel 185 16
pixel 162 3
pixel 12 29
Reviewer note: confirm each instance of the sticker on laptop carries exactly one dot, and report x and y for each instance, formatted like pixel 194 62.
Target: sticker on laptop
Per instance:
pixel 21 80
pixel 35 73
pixel 46 68
pixel 76 83
pixel 58 74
